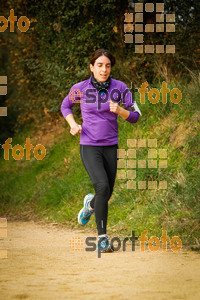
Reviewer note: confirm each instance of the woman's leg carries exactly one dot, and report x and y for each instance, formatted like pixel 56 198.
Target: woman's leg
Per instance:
pixel 110 165
pixel 100 163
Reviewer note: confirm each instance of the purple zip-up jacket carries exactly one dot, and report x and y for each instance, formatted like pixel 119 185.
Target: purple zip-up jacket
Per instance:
pixel 99 127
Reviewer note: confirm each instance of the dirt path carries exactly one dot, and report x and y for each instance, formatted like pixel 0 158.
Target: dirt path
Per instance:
pixel 41 265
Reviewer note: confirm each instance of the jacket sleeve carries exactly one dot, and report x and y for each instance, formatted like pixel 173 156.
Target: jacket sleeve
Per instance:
pixel 130 105
pixel 133 117
pixel 68 103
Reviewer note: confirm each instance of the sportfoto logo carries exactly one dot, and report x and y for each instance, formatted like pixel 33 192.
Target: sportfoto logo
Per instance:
pixel 153 244
pixel 154 95
pixel 163 91
pixel 12 18
pixel 128 165
pixel 18 151
pixel 139 28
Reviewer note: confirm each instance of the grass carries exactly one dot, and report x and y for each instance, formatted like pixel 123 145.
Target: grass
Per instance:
pixel 53 189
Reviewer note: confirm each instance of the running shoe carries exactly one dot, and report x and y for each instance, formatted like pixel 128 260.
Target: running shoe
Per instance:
pixel 103 245
pixel 85 213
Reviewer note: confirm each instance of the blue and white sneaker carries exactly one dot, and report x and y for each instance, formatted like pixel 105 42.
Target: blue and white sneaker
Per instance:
pixel 103 245
pixel 86 212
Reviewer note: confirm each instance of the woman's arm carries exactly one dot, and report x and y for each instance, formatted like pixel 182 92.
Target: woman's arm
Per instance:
pixel 129 116
pixel 130 106
pixel 114 107
pixel 75 128
pixel 66 109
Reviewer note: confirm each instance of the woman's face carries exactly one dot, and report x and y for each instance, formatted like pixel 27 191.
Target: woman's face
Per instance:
pixel 101 68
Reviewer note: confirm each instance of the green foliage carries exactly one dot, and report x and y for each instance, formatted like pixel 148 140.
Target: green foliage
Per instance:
pixel 54 53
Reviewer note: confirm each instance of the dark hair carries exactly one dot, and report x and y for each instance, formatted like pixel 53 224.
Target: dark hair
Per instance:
pixel 100 52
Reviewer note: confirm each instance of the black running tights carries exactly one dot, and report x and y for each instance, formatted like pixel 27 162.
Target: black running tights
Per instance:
pixel 100 163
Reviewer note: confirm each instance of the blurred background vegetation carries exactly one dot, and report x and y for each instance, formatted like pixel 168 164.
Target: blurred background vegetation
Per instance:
pixel 44 62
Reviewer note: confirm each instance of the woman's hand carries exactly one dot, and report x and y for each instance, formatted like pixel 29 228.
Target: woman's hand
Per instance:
pixel 75 129
pixel 114 107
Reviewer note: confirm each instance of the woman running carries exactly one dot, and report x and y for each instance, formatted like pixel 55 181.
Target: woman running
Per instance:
pixel 99 98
